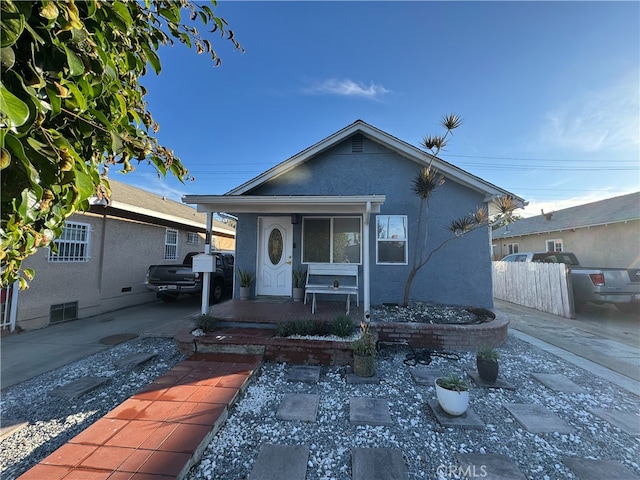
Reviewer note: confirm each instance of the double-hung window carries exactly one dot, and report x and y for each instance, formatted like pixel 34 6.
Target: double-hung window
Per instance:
pixel 73 244
pixel 331 240
pixel 171 244
pixel 554 245
pixel 391 239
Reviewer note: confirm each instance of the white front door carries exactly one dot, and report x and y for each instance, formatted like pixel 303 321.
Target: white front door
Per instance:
pixel 275 249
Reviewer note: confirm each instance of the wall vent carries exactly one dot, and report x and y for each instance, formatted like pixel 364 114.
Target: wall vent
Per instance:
pixel 357 144
pixel 63 312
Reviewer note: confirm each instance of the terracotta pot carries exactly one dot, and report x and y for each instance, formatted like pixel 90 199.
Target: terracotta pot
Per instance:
pixel 487 369
pixel 364 365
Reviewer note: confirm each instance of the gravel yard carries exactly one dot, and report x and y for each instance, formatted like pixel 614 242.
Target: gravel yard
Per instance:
pixel 429 450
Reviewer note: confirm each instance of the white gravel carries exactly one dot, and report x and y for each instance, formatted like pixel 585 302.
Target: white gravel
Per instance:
pixel 426 446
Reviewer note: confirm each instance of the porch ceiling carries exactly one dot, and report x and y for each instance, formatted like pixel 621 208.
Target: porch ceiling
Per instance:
pixel 286 203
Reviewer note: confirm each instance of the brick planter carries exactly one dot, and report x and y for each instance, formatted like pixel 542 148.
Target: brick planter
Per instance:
pixel 308 352
pixel 445 337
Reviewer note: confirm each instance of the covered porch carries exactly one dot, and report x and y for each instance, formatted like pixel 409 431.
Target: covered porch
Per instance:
pixel 269 221
pixel 273 310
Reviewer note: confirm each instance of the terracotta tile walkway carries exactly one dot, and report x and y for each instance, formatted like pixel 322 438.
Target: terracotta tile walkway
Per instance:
pixel 160 432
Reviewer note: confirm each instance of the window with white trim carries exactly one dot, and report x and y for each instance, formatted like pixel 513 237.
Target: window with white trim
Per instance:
pixel 171 244
pixel 193 238
pixel 554 245
pixel 331 240
pixel 513 248
pixel 73 244
pixel 391 239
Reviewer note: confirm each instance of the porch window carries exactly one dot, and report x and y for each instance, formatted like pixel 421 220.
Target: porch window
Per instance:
pixel 391 239
pixel 73 244
pixel 331 240
pixel 171 244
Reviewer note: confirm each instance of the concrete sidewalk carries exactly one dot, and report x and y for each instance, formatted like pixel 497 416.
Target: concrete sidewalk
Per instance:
pixel 31 353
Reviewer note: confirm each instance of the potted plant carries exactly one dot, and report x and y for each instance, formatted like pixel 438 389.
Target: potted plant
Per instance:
pixel 453 394
pixel 487 363
pixel 364 352
pixel 336 283
pixel 245 278
pixel 299 277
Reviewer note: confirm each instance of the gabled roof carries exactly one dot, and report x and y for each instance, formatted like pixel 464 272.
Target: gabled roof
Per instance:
pixel 389 141
pixel 612 210
pixel 131 202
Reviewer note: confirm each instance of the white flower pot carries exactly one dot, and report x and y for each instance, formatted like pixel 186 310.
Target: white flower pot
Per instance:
pixel 452 402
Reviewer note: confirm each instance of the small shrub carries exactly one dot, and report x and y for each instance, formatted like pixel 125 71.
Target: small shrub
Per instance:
pixel 342 326
pixel 306 327
pixel 366 344
pixel 454 382
pixel 206 322
pixel 487 353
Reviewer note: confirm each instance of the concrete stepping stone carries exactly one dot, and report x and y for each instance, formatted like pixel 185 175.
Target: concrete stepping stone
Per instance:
pixel 558 382
pixel 354 379
pixel 78 387
pixel 378 464
pixel 537 419
pixel 134 360
pixel 304 373
pixel 426 375
pixel 488 467
pixel 369 411
pixel 499 383
pixel 628 422
pixel 9 426
pixel 468 419
pixel 276 462
pixel 589 469
pixel 298 406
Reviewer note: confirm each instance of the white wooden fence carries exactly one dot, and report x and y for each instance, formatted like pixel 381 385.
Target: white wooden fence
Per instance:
pixel 542 286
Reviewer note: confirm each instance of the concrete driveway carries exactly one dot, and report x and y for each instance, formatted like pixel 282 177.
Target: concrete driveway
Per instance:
pixel 28 354
pixel 601 335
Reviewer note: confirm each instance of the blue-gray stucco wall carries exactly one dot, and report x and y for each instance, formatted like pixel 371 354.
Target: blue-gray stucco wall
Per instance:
pixel 458 274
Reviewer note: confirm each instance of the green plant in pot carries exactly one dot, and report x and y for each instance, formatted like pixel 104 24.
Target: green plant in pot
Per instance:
pixel 299 277
pixel 364 352
pixel 452 392
pixel 487 363
pixel 245 278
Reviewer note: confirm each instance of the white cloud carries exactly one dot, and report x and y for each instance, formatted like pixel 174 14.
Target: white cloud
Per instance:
pixel 606 120
pixel 348 88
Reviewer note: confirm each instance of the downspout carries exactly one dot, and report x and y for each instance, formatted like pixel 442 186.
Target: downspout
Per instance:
pixel 365 265
pixel 206 276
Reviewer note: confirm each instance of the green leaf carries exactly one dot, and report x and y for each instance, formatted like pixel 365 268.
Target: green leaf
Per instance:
pixel 76 67
pixel 153 59
pixel 54 99
pixel 123 12
pixel 84 184
pixel 16 111
pixel 117 145
pixel 12 23
pixel 7 57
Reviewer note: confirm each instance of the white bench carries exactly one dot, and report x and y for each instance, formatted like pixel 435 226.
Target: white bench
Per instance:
pixel 320 279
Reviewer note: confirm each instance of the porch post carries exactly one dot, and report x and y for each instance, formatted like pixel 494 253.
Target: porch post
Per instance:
pixel 206 276
pixel 365 264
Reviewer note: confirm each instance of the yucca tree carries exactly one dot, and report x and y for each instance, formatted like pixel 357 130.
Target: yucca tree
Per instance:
pixel 425 183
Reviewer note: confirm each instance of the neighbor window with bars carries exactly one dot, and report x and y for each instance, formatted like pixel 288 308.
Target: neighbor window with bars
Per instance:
pixel 171 244
pixel 73 244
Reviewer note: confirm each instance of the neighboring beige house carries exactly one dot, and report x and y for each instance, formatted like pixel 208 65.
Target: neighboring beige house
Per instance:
pixel 103 256
pixel 601 234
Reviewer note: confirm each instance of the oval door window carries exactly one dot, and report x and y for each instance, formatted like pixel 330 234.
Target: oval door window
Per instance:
pixel 276 246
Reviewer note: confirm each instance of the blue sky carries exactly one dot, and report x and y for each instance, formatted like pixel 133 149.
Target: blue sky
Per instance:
pixel 549 91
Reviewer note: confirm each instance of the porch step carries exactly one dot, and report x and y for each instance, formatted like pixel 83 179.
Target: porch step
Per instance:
pixel 238 340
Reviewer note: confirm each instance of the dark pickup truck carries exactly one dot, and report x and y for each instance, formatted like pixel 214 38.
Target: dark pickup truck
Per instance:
pixel 169 281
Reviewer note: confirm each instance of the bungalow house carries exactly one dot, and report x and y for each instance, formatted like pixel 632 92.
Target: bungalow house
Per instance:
pixel 349 199
pixel 601 234
pixel 103 256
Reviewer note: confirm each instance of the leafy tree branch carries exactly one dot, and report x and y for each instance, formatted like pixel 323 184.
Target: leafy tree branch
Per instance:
pixel 72 106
